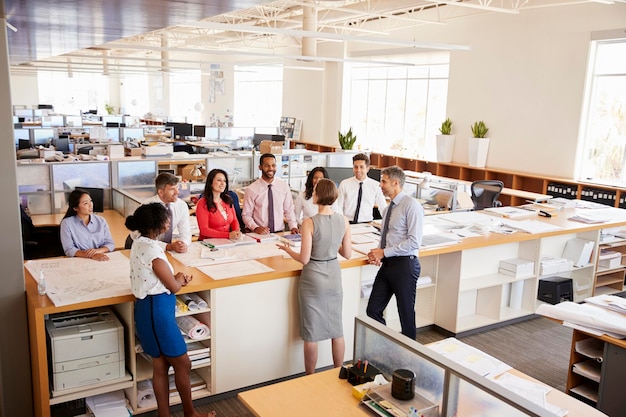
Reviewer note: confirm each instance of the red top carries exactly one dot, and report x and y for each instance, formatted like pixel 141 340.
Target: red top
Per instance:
pixel 212 222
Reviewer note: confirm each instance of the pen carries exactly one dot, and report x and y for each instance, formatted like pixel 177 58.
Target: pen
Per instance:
pixel 365 367
pixel 208 244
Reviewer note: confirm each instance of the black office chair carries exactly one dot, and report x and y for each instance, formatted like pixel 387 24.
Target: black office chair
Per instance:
pixel 39 242
pixel 485 193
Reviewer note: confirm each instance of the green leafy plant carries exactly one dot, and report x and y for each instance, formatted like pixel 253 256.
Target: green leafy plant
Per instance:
pixel 346 141
pixel 109 108
pixel 446 127
pixel 479 130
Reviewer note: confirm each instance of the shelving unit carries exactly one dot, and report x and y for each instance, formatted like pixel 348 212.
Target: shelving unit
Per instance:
pixel 142 367
pixel 611 280
pixel 596 372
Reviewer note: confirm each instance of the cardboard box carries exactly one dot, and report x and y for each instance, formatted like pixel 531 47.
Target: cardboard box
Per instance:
pixel 610 259
pixel 115 150
pixel 270 146
pixel 517 267
pixel 133 151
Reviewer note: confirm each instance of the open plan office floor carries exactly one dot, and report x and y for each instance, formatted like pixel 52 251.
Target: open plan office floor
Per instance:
pixel 542 349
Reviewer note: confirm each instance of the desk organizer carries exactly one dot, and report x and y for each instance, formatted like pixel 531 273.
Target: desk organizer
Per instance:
pixel 357 374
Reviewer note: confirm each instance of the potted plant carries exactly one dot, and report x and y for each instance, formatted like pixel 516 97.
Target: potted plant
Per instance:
pixel 445 142
pixel 478 145
pixel 346 141
pixel 109 109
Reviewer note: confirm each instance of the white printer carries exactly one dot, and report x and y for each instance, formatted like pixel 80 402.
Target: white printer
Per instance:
pixel 85 348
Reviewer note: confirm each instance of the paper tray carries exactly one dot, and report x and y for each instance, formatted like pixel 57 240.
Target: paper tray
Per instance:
pixel 380 401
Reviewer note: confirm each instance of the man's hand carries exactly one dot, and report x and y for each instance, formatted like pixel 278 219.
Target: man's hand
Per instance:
pixel 295 231
pixel 261 230
pixel 375 256
pixel 178 246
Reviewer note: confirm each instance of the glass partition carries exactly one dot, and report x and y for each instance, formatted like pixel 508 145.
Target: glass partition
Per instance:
pixel 68 176
pixel 457 390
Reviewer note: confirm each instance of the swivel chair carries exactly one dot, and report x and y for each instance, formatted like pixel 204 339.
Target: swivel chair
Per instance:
pixel 39 242
pixel 485 193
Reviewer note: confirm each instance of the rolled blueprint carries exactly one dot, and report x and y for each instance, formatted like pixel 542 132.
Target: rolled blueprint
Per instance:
pixel 145 394
pixel 193 327
pixel 181 307
pixel 202 305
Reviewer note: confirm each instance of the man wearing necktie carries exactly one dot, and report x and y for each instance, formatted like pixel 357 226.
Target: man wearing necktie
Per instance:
pixel 397 254
pixel 167 194
pixel 359 194
pixel 268 203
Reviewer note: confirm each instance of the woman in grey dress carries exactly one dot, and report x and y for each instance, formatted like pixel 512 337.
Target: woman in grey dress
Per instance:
pixel 320 291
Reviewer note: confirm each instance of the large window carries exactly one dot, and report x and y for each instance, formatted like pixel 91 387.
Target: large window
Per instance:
pixel 603 158
pixel 397 109
pixel 258 96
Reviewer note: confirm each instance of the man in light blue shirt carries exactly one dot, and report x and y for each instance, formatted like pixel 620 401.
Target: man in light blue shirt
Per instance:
pixel 397 254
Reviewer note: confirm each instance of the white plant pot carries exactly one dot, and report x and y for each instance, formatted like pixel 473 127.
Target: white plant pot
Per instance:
pixel 478 149
pixel 445 148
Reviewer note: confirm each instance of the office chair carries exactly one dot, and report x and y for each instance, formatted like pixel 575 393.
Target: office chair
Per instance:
pixel 39 242
pixel 485 193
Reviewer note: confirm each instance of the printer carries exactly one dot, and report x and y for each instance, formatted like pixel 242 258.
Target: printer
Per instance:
pixel 84 348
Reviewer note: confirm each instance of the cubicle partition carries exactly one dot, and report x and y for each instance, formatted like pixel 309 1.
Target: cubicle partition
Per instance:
pixel 454 388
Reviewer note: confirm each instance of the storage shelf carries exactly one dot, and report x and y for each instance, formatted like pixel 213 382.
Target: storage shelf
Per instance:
pixel 194 312
pixel 473 321
pixel 104 387
pixel 175 399
pixel 486 281
pixel 588 390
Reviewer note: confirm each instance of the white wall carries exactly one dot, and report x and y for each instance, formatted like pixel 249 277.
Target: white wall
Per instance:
pixel 524 76
pixel 303 99
pixel 25 89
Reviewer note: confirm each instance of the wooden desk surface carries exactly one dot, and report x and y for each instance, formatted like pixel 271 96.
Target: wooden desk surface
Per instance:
pixel 116 221
pixel 324 394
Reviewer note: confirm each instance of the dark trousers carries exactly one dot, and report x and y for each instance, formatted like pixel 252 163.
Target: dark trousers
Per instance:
pixel 396 276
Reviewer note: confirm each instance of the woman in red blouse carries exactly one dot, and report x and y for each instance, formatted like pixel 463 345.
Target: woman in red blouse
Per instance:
pixel 215 211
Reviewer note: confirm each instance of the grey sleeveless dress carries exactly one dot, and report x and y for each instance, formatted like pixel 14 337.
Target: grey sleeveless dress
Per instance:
pixel 320 291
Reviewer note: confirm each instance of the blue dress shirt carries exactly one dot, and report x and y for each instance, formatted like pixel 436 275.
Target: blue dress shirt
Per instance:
pixel 75 235
pixel 406 226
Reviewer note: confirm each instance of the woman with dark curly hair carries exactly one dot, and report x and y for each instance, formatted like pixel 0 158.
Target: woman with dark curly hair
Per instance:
pixel 154 285
pixel 304 205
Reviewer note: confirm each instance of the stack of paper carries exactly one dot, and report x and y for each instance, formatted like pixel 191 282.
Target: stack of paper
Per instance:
pixel 111 404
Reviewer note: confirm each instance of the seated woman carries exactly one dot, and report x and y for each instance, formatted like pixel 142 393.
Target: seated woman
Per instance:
pixel 215 211
pixel 84 234
pixel 304 206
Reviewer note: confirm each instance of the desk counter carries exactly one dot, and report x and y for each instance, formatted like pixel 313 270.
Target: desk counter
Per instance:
pixel 116 221
pixel 254 319
pixel 324 394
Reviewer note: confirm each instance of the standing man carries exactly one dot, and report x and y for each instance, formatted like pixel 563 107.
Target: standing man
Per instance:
pixel 267 203
pixel 359 194
pixel 397 254
pixel 178 211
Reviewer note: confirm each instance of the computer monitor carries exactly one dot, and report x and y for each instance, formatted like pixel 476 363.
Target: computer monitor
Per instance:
pixel 131 133
pixel 113 134
pixel 62 144
pixel 42 136
pixel 21 134
pixel 183 129
pixel 112 119
pixel 97 196
pixel 199 131
pixel 23 144
pixel 374 173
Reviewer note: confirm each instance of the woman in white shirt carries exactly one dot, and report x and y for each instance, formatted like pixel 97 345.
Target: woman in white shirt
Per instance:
pixel 304 205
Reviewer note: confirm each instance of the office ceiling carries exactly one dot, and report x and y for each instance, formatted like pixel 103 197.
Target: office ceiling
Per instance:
pixel 165 35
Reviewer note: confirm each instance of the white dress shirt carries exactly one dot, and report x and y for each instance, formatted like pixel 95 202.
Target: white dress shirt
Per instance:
pixel 306 208
pixel 372 195
pixel 180 219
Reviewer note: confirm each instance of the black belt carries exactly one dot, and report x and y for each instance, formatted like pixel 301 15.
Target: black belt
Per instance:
pixel 323 260
pixel 394 258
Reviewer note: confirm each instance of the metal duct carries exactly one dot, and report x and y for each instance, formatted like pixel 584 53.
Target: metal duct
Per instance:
pixel 309 23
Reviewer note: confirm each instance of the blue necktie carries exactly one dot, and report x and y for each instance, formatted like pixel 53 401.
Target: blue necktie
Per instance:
pixel 383 235
pixel 270 207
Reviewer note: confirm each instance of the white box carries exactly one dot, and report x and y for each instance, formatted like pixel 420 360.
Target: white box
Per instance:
pixel 610 259
pixel 517 267
pixel 115 150
pixel 160 149
pixel 578 251
pixel 554 266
